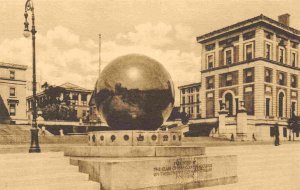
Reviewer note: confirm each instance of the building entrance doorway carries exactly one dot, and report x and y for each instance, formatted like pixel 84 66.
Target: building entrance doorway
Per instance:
pixel 229 103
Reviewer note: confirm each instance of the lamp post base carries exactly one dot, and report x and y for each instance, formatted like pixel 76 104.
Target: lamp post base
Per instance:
pixel 34 147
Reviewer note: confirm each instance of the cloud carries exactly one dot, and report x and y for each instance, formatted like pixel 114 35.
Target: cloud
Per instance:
pixel 184 33
pixel 63 57
pixel 61 34
pixel 149 35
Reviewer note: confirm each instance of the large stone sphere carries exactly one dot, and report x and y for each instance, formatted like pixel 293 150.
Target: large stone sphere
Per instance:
pixel 134 92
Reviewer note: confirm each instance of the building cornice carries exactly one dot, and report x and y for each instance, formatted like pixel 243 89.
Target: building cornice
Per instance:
pixel 12 66
pixel 258 20
pixel 190 85
pixel 250 61
pixel 12 80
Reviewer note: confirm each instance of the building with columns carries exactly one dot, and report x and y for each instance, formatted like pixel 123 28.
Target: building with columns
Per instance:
pixel 13 93
pixel 190 99
pixel 253 64
pixel 79 98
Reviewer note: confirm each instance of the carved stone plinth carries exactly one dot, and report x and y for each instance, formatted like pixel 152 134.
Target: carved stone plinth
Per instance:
pixel 149 160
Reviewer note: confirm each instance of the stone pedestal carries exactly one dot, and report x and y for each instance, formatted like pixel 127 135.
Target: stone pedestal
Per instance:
pixel 150 160
pixel 222 121
pixel 241 124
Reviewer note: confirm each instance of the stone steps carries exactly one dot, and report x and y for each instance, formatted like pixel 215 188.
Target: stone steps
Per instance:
pixel 41 171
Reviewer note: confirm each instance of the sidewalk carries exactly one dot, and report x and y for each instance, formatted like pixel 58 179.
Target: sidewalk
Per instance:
pixel 24 148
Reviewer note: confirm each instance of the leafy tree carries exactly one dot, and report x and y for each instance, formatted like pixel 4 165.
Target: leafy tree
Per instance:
pixel 55 104
pixel 294 125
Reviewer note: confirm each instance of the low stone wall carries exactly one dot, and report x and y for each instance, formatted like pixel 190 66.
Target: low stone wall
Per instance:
pixel 21 139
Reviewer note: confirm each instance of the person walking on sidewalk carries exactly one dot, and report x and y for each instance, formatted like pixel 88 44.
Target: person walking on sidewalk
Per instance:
pixel 276 133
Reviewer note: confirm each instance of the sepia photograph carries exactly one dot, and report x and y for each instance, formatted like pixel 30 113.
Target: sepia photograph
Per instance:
pixel 149 94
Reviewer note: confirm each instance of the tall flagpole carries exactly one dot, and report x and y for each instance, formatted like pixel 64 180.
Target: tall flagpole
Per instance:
pixel 99 54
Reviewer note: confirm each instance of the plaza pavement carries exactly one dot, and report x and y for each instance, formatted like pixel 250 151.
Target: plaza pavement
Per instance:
pixel 263 167
pixel 260 167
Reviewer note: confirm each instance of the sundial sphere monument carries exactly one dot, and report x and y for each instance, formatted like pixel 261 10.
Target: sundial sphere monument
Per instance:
pixel 134 92
pixel 135 95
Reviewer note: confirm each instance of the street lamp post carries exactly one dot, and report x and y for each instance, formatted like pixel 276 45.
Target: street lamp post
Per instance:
pixel 34 147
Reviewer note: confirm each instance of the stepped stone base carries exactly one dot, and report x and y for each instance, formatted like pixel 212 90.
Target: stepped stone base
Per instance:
pixel 160 173
pixel 158 165
pixel 133 151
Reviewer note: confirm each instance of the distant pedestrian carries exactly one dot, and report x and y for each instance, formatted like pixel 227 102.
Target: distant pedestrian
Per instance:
pixel 253 137
pixel 232 137
pixel 276 134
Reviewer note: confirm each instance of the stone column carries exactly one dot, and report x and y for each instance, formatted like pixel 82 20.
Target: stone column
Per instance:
pixel 288 54
pixel 241 122
pixel 259 43
pixel 217 56
pixel 241 48
pixel 79 98
pixel 274 51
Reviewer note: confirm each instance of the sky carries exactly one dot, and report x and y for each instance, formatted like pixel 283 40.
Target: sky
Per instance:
pixel 67 40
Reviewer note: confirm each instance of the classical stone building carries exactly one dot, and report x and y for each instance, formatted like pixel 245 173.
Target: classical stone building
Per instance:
pixel 79 98
pixel 190 99
pixel 13 93
pixel 252 64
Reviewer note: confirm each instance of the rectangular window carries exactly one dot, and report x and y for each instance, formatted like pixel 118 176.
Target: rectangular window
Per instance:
pixel 248 75
pixel 249 99
pixel 268 75
pixel 183 109
pixel 210 83
pixel 198 109
pixel 281 78
pixel 12 109
pixel 293 81
pixel 229 79
pixel 249 35
pixel 12 74
pixel 183 100
pixel 268 35
pixel 228 57
pixel 210 47
pixel 12 92
pixel 198 98
pixel 183 91
pixel 294 45
pixel 272 131
pixel 249 52
pixel 268 51
pixel 294 59
pixel 210 62
pixel 267 106
pixel 83 97
pixel 293 109
pixel 281 54
pixel 192 99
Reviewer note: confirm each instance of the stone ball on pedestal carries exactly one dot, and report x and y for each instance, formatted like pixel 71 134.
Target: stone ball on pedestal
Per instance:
pixel 134 92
